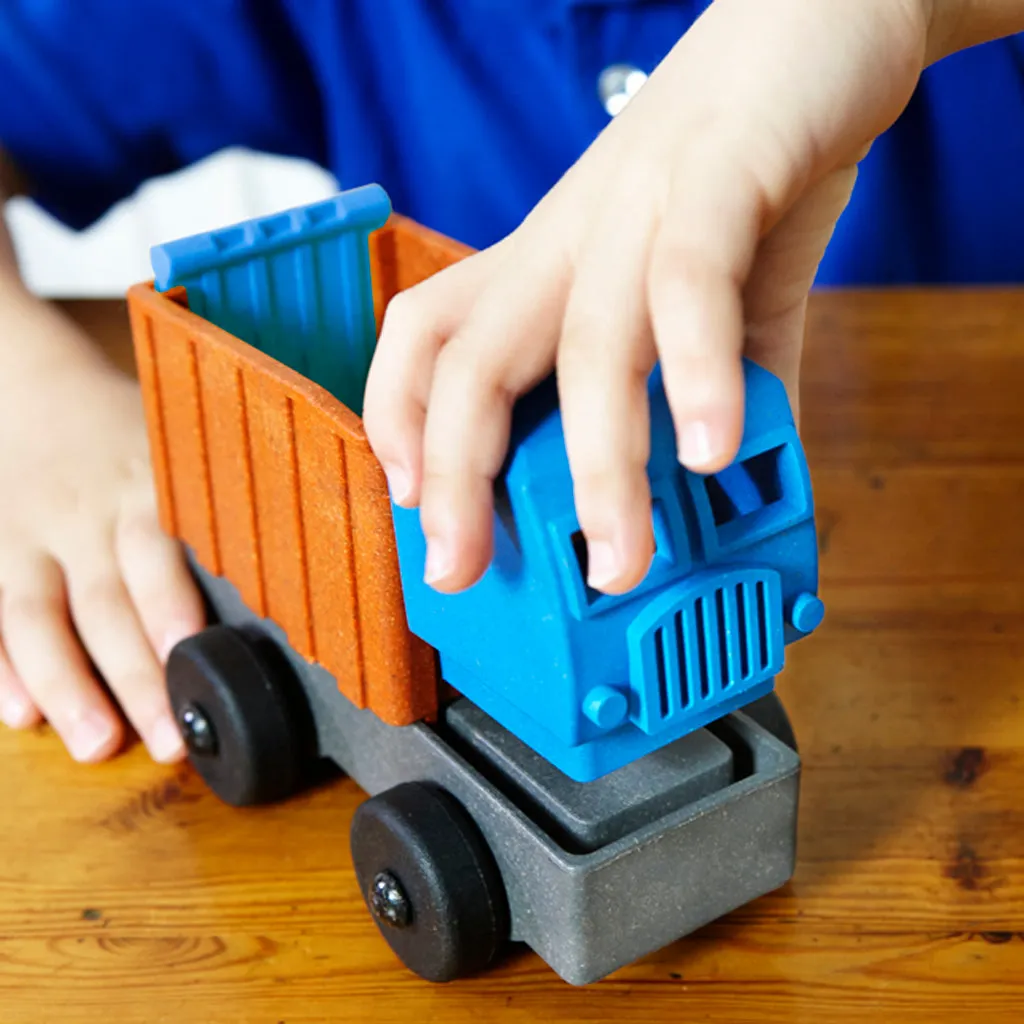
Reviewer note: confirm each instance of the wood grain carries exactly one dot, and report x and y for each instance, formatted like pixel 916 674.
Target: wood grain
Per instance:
pixel 128 893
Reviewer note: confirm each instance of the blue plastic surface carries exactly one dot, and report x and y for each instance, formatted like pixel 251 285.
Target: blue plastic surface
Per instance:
pixel 295 285
pixel 591 681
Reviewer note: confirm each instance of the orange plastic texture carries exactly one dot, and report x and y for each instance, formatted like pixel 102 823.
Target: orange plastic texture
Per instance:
pixel 403 253
pixel 271 481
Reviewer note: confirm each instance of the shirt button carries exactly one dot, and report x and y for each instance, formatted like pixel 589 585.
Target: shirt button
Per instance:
pixel 617 85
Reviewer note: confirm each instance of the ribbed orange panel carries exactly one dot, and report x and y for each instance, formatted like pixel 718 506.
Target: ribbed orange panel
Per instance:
pixel 272 483
pixel 184 432
pixel 143 331
pixel 231 471
pixel 330 550
pixel 381 607
pixel 280 529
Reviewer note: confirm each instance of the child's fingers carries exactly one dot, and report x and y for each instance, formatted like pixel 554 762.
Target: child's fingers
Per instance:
pixel 702 253
pixel 504 347
pixel 112 634
pixel 48 658
pixel 17 709
pixel 159 582
pixel 416 325
pixel 604 359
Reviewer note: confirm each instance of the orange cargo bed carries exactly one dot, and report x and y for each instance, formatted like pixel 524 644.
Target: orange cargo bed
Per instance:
pixel 271 482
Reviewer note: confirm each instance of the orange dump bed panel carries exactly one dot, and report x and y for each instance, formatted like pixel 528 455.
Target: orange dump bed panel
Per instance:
pixel 403 253
pixel 271 481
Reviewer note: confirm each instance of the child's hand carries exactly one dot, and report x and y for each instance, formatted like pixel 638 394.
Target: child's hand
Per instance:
pixel 689 232
pixel 90 588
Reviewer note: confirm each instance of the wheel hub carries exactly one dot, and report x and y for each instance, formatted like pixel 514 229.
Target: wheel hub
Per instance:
pixel 388 901
pixel 197 731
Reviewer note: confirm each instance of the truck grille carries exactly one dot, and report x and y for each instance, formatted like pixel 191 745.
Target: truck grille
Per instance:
pixel 709 644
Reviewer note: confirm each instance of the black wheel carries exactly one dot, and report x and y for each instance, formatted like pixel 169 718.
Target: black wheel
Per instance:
pixel 770 713
pixel 429 881
pixel 242 715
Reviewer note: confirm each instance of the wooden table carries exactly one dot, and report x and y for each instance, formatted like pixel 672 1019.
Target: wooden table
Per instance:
pixel 128 893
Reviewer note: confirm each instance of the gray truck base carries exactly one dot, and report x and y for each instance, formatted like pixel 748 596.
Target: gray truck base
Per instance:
pixel 598 874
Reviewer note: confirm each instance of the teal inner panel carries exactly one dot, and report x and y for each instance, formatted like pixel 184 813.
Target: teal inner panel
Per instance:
pixel 295 285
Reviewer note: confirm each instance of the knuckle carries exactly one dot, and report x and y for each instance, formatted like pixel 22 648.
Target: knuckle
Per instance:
pixel 606 490
pixel 575 357
pixel 408 315
pixel 463 360
pixel 382 418
pixel 468 443
pixel 680 267
pixel 27 610
pixel 137 495
pixel 472 374
pixel 585 322
pixel 98 596
pixel 703 382
pixel 607 434
pixel 166 600
pixel 590 353
pixel 444 464
pixel 593 469
pixel 589 373
pixel 140 526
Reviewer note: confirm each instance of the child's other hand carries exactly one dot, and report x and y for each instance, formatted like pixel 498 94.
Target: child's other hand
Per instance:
pixel 90 588
pixel 689 232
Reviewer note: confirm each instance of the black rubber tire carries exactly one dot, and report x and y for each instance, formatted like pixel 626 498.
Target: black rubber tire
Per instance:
pixel 770 713
pixel 243 687
pixel 457 916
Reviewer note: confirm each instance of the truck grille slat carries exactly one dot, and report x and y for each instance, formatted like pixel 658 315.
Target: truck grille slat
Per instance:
pixel 685 693
pixel 702 650
pixel 690 656
pixel 762 623
pixel 726 637
pixel 743 636
pixel 659 657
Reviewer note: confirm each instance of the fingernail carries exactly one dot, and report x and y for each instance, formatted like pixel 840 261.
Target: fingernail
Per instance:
pixel 173 637
pixel 695 444
pixel 602 564
pixel 439 561
pixel 399 483
pixel 16 712
pixel 165 742
pixel 89 735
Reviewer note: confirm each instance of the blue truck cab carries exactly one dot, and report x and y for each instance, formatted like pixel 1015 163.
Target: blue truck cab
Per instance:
pixel 592 681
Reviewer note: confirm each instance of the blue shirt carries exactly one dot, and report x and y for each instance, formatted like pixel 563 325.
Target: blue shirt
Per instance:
pixel 466 111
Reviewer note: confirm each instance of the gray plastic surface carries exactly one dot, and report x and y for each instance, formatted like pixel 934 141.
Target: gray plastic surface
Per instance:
pixel 585 816
pixel 586 913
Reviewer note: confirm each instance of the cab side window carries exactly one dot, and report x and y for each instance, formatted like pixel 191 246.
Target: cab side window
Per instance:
pixel 761 493
pixel 671 556
pixel 746 487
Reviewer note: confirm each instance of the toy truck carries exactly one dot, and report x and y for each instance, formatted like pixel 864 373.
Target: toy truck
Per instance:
pixel 593 776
